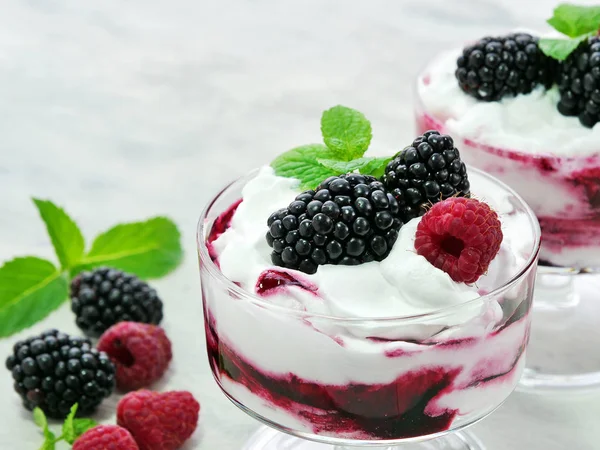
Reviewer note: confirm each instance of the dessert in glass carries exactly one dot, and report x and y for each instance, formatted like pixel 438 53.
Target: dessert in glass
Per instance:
pixel 352 329
pixel 532 122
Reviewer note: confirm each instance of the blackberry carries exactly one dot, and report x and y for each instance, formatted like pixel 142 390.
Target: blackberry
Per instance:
pixel 106 296
pixel 54 371
pixel 428 171
pixel 579 83
pixel 498 67
pixel 350 219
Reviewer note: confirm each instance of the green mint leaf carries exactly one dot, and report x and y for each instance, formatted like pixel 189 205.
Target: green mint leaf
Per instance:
pixel 346 132
pixel 574 20
pixel 301 163
pixel 30 289
pixel 560 49
pixel 40 418
pixel 65 235
pixel 149 249
pixel 68 431
pixel 80 426
pixel 367 166
pixel 49 442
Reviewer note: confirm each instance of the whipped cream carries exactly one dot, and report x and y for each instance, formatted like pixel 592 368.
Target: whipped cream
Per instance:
pixel 527 123
pixel 403 284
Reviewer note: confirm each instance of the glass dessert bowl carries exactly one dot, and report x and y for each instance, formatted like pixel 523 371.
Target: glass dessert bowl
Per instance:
pixel 536 145
pixel 387 354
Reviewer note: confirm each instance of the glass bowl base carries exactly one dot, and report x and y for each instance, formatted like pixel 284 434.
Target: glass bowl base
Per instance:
pixel 269 439
pixel 565 334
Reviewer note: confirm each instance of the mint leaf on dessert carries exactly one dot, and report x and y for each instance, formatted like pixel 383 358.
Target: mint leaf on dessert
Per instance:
pixel 30 289
pixel 574 20
pixel 65 235
pixel 346 132
pixel 149 249
pixel 301 163
pixel 560 49
pixel 373 166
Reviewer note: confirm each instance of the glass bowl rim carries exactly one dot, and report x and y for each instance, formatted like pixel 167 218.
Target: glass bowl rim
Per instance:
pixel 216 274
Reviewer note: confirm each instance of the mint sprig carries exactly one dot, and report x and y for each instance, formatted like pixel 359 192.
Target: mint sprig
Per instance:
pixel 31 287
pixel 347 135
pixel 72 428
pixel 574 21
pixel 346 132
pixel 374 166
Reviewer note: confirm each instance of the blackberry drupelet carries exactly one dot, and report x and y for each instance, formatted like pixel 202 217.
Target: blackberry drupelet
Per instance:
pixel 55 371
pixel 350 219
pixel 428 171
pixel 579 83
pixel 498 67
pixel 106 296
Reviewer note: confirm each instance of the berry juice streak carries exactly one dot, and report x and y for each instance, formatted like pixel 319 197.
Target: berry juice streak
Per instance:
pixel 406 407
pixel 564 192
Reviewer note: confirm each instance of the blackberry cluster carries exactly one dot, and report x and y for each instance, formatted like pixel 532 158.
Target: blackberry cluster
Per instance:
pixel 53 371
pixel 106 296
pixel 350 219
pixel 579 83
pixel 428 171
pixel 494 68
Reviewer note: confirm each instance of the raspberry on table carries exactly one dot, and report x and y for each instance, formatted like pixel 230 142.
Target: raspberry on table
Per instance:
pixel 159 421
pixel 460 236
pixel 424 173
pixel 53 371
pixel 140 352
pixel 497 67
pixel 105 296
pixel 349 219
pixel 579 83
pixel 106 437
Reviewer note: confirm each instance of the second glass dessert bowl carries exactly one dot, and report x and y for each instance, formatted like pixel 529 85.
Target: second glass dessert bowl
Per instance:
pixel 553 162
pixel 322 381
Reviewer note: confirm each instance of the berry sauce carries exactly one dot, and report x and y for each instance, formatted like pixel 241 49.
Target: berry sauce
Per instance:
pixel 574 225
pixel 221 225
pixel 406 407
pixel 272 281
pixel 375 411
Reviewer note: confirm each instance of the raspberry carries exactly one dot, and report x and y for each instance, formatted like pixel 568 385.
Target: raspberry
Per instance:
pixel 159 421
pixel 140 352
pixel 460 236
pixel 105 437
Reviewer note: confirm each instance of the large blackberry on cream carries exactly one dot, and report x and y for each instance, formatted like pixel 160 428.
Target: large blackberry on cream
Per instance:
pixel 349 219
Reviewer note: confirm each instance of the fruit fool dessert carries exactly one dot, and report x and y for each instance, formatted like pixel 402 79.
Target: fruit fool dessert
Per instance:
pixel 527 110
pixel 353 309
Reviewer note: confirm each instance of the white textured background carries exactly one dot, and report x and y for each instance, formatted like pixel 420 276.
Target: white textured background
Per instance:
pixel 122 109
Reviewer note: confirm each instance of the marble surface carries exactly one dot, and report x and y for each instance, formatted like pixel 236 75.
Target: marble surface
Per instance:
pixel 119 110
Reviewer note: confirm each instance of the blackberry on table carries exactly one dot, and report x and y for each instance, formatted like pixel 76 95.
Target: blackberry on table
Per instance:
pixel 428 171
pixel 498 67
pixel 103 297
pixel 53 371
pixel 349 219
pixel 579 83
